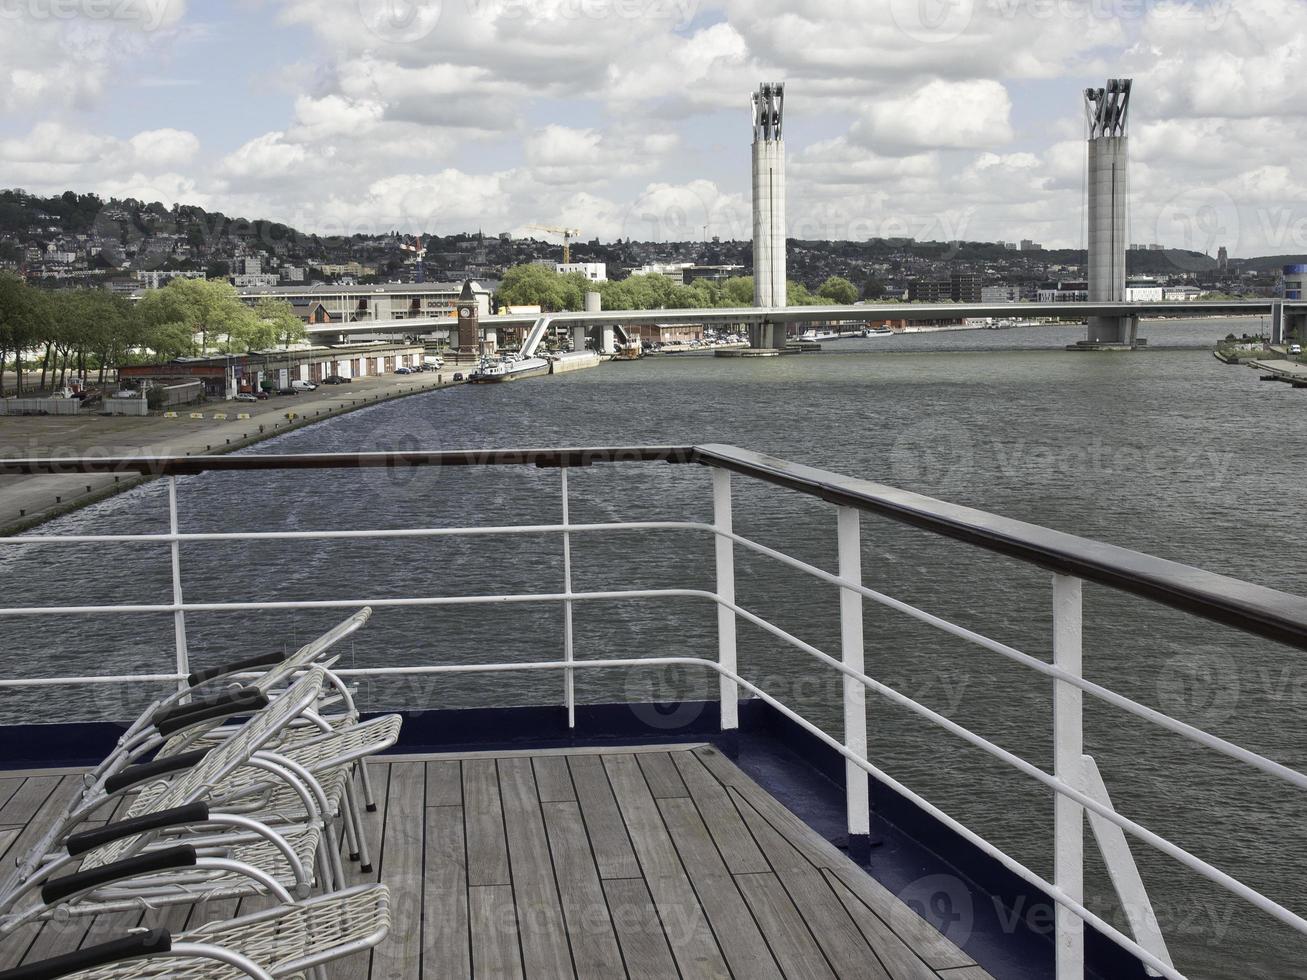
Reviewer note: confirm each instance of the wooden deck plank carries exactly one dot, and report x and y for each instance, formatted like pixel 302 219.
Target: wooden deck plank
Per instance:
pixel 661 775
pixel 737 933
pixel 606 863
pixel 56 793
pixel 8 787
pixel 553 779
pixel 895 955
pixel 483 815
pixel 683 918
pixel 639 930
pixel 540 924
pixel 495 950
pixel 359 967
pixel 27 799
pixel 738 849
pixel 445 949
pixel 589 926
pixel 402 871
pixel 444 783
pixel 839 938
pixel 609 840
pixel 787 933
pixel 938 952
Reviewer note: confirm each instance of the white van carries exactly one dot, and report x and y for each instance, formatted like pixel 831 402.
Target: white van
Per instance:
pixel 299 385
pixel 1295 348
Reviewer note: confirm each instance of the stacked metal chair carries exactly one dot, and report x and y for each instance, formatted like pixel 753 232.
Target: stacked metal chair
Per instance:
pixel 251 812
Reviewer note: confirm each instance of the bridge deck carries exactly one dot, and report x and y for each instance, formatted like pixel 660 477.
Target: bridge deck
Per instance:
pixel 652 862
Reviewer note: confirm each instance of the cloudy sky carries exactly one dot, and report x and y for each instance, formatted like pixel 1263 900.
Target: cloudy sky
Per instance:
pixel 938 119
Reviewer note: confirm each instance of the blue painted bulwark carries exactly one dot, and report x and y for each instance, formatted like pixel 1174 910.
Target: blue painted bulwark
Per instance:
pixel 967 895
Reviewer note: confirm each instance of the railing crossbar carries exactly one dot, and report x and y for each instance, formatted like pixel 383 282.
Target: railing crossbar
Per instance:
pixel 1173 725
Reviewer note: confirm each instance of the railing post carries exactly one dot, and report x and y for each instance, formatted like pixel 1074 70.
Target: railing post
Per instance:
pixel 1068 748
pixel 855 694
pixel 569 684
pixel 729 692
pixel 179 617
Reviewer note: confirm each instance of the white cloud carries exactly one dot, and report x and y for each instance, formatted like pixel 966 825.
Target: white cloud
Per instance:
pixel 940 114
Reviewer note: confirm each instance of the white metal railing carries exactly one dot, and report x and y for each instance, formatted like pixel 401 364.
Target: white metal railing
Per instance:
pixel 1077 786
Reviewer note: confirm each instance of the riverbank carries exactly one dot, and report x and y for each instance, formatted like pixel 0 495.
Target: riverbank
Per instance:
pixel 212 428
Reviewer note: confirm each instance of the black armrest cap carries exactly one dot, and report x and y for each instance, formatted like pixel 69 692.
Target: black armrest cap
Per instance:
pixel 89 840
pixel 150 942
pixel 181 856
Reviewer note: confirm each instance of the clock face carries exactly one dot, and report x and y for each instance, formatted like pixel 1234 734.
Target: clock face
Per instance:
pixel 465 312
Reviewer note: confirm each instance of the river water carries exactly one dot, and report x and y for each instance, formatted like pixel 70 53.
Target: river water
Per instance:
pixel 1169 452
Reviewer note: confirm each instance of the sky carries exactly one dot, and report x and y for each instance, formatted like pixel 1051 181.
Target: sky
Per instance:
pixel 935 119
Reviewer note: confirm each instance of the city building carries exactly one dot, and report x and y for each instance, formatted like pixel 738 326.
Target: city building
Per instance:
pixel 1295 281
pixel 352 304
pixel 249 372
pixel 672 270
pixel 1143 291
pixel 158 278
pixel 1028 246
pixel 1222 258
pixel 594 271
pixel 711 273
pixel 1000 294
pixel 1064 292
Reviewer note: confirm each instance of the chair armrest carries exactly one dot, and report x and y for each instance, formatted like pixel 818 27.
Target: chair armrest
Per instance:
pixel 150 770
pixel 152 942
pixel 240 702
pixel 89 840
pixel 181 856
pixel 206 674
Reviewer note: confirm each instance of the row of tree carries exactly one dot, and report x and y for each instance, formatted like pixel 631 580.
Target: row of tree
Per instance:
pixel 537 285
pixel 89 332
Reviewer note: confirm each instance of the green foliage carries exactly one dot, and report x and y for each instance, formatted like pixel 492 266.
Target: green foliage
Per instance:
pixel 156 398
pixel 838 290
pixel 278 324
pixel 205 307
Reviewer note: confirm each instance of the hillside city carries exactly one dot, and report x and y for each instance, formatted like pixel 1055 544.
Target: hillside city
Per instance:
pixel 129 246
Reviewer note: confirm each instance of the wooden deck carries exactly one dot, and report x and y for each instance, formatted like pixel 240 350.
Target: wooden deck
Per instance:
pixel 647 863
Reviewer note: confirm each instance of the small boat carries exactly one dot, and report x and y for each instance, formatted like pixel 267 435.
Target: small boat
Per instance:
pixel 510 367
pixel 815 335
pixel 869 332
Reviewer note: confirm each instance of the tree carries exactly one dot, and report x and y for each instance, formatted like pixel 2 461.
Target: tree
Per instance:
pixel 838 290
pixel 873 289
pixel 24 322
pixel 203 306
pixel 534 285
pixel 280 325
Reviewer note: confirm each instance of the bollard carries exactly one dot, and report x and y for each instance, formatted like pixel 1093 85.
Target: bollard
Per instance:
pixel 88 488
pixel 58 500
pixel 22 513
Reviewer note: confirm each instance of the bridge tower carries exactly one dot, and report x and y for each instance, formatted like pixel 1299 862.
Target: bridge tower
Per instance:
pixel 1107 116
pixel 769 210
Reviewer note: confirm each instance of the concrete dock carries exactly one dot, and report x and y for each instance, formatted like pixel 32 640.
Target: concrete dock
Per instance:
pixel 27 501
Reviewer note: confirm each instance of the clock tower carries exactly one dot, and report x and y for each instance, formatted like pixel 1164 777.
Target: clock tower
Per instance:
pixel 469 321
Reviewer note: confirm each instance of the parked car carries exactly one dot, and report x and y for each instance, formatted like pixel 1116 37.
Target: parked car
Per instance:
pixel 403 370
pixel 287 391
pixel 458 376
pixel 1295 348
pixel 303 385
pixel 247 396
pixel 261 395
pixel 335 379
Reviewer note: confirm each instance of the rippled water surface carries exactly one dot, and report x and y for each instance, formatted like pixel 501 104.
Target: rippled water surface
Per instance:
pixel 1169 452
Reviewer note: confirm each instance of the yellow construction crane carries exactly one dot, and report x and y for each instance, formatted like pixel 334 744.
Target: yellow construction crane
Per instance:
pixel 567 233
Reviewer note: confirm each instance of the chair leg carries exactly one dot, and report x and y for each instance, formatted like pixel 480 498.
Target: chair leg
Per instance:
pixel 368 796
pixel 349 817
pixel 353 816
pixel 333 855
